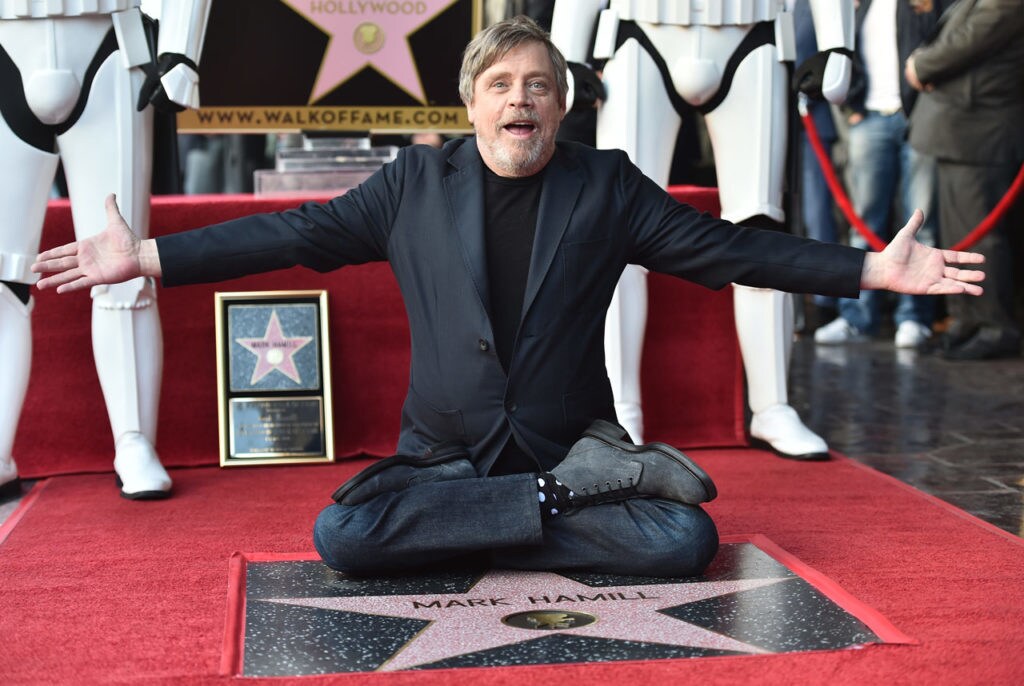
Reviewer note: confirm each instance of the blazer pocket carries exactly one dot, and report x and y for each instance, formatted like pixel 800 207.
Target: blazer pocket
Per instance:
pixel 443 425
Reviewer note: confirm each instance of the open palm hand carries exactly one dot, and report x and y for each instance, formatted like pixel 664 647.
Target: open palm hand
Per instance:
pixel 108 257
pixel 909 266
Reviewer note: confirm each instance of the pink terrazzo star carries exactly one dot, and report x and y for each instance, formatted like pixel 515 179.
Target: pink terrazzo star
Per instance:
pixel 274 351
pixel 368 33
pixel 462 623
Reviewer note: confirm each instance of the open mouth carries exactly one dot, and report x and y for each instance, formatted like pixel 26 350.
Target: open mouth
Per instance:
pixel 520 129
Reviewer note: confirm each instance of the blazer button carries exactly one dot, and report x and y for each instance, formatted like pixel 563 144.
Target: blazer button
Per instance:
pixel 484 345
pixel 512 407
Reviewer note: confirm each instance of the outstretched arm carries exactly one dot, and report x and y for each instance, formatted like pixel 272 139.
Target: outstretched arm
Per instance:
pixel 110 257
pixel 908 266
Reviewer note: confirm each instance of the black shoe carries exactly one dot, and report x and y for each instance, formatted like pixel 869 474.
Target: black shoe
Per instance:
pixel 602 467
pixel 985 345
pixel 955 336
pixel 441 462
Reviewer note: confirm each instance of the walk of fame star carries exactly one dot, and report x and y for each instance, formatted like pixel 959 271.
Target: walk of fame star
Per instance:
pixel 370 33
pixel 274 351
pixel 470 622
pixel 302 618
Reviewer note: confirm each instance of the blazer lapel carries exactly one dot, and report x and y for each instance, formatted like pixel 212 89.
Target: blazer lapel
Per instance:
pixel 464 190
pixel 562 185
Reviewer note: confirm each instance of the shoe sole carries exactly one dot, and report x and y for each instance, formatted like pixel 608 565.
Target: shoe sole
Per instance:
pixel 359 479
pixel 600 433
pixel 140 495
pixel 805 457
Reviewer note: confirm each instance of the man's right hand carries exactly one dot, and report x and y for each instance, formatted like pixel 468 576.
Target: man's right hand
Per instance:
pixel 110 257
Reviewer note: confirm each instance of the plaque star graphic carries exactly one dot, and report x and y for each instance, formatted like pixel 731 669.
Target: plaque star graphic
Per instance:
pixel 368 33
pixel 274 351
pixel 462 623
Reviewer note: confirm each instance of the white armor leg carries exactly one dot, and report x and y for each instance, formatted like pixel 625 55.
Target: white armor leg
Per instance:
pixel 25 179
pixel 631 78
pixel 16 344
pixel 109 150
pixel 748 134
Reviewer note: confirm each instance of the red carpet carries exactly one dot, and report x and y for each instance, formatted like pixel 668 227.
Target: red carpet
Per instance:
pixel 64 428
pixel 97 588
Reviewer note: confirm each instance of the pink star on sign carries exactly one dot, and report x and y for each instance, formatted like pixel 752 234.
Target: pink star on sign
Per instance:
pixel 463 623
pixel 274 351
pixel 368 33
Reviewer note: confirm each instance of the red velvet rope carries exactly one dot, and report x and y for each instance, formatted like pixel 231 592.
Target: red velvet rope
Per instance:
pixel 864 230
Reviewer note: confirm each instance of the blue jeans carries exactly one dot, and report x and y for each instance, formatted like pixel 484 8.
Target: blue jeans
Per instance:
pixel 882 168
pixel 816 204
pixel 496 521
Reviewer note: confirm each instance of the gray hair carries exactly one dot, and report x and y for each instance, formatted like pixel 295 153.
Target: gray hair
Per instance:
pixel 494 42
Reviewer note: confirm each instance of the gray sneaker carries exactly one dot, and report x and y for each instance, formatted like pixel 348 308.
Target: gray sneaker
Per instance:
pixel 602 467
pixel 442 462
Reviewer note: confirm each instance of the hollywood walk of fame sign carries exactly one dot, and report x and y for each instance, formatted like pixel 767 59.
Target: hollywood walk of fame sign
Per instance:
pixel 333 65
pixel 273 377
pixel 301 618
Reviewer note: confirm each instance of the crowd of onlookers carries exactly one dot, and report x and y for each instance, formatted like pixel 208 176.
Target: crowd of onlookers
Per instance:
pixel 933 121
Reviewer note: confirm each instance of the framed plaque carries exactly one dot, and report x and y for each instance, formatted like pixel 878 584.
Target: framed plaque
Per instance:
pixel 273 378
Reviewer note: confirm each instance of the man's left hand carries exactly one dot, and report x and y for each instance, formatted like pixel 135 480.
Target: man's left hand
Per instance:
pixel 910 73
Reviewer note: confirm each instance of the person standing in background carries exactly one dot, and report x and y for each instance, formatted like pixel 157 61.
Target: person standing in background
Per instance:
pixel 882 163
pixel 969 117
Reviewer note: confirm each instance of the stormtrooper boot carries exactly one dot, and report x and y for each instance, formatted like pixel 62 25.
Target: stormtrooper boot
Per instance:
pixel 16 344
pixel 128 347
pixel 764 325
pixel 139 472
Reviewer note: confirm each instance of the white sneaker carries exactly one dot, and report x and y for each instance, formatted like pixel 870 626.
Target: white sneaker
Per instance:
pixel 837 332
pixel 911 334
pixel 778 428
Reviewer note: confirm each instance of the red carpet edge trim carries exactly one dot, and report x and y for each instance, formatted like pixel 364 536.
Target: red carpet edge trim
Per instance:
pixel 26 502
pixel 938 502
pixel 234 624
pixel 874 619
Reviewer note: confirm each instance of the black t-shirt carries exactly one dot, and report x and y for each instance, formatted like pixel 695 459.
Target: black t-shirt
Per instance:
pixel 510 221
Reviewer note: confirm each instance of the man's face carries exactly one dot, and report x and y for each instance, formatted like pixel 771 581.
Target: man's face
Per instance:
pixel 515 111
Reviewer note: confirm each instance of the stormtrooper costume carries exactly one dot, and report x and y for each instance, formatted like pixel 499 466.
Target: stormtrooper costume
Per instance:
pixel 76 81
pixel 726 59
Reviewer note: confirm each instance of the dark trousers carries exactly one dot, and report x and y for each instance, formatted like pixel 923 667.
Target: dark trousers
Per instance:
pixel 495 522
pixel 967 193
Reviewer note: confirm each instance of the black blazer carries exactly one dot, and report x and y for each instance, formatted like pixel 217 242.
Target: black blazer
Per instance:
pixel 424 214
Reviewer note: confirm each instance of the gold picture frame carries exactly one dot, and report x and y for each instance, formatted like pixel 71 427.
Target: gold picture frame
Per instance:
pixel 273 378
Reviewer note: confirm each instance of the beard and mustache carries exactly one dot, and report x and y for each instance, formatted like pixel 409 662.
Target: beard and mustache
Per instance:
pixel 520 157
